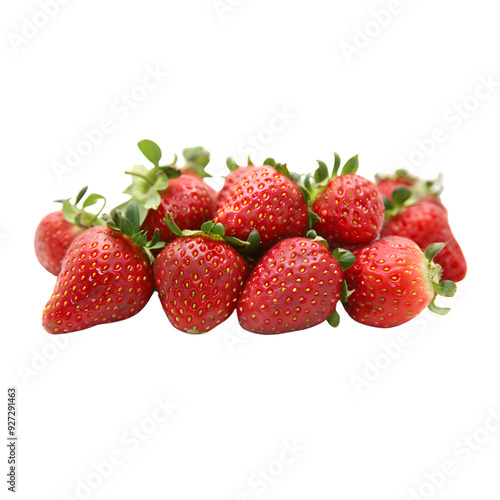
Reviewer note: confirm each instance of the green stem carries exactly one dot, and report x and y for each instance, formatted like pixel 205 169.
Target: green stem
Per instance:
pixel 141 176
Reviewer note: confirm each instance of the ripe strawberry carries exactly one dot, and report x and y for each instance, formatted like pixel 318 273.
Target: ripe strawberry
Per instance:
pixel 187 199
pixel 197 159
pixel 106 276
pixel 163 189
pixel 199 278
pixel 425 223
pixel 349 207
pixel 57 230
pixel 387 186
pixel 295 285
pixel 267 200
pixel 392 281
pixel 422 189
pixel 235 172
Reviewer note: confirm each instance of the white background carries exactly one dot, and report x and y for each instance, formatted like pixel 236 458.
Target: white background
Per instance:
pixel 240 397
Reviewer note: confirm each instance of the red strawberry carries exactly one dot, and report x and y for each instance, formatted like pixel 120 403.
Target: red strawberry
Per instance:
pixel 199 278
pixel 422 189
pixel 57 230
pixel 163 189
pixel 106 276
pixel 212 192
pixel 392 281
pixel 349 207
pixel 187 199
pixel 424 223
pixel 235 172
pixel 295 285
pixel 53 236
pixel 387 186
pixel 267 200
pixel 197 159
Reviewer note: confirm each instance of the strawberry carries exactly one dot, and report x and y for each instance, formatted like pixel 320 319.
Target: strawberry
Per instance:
pixel 106 276
pixel 349 208
pixel 422 189
pixel 392 281
pixel 196 159
pixel 426 222
pixel 57 230
pixel 199 277
pixel 166 188
pixel 295 285
pixel 187 199
pixel 387 186
pixel 235 172
pixel 266 200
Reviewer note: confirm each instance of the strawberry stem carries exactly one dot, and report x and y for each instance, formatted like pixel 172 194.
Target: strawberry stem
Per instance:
pixel 137 174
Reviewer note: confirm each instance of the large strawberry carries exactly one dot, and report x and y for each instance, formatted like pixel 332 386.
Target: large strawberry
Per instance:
pixel 106 276
pixel 426 222
pixel 57 230
pixel 295 285
pixel 267 200
pixel 392 281
pixel 199 277
pixel 349 207
pixel 166 189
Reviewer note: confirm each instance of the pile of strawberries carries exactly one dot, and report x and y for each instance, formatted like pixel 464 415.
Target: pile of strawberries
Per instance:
pixel 280 248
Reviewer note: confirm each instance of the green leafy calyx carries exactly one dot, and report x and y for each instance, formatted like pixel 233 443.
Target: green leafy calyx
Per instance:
pixel 445 288
pixel 148 183
pixel 196 159
pixel 129 223
pixel 79 215
pixel 314 184
pixel 413 190
pixel 215 232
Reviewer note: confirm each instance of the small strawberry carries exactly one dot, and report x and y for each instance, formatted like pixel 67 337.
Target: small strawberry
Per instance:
pixel 163 189
pixel 426 222
pixel 57 230
pixel 197 159
pixel 267 200
pixel 106 276
pixel 349 207
pixel 386 184
pixel 392 281
pixel 187 199
pixel 235 172
pixel 199 277
pixel 422 189
pixel 295 285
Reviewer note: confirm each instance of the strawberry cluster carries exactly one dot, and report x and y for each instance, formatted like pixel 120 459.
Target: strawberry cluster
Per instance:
pixel 280 248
